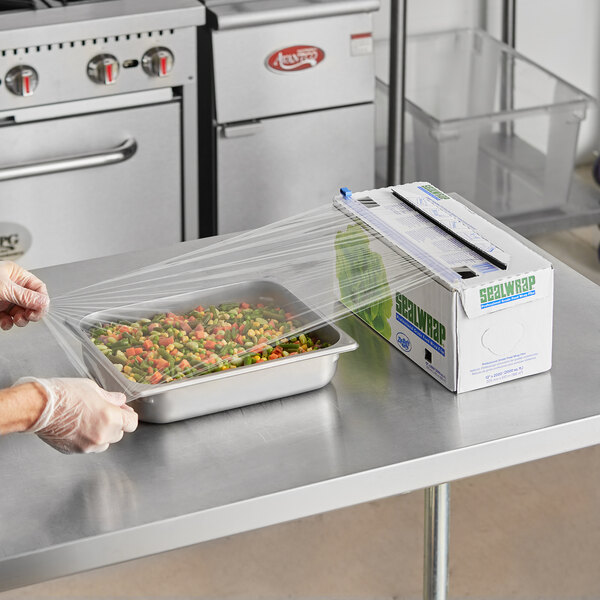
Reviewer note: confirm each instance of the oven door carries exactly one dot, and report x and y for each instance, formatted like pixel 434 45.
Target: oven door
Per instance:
pixel 292 164
pixel 80 187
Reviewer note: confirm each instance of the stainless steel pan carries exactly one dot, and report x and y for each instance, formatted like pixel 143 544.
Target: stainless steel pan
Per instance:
pixel 214 392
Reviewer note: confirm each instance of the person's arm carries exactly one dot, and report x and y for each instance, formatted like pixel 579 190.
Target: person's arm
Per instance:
pixel 71 415
pixel 21 407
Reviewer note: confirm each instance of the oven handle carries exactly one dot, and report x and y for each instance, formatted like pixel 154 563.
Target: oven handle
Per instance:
pixel 111 156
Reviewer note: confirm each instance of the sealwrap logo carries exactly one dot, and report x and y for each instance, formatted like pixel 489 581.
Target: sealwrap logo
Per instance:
pixel 295 58
pixel 434 192
pixel 421 323
pixel 507 291
pixel 15 240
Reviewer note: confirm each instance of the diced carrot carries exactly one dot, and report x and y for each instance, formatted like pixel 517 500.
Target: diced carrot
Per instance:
pixel 209 344
pixel 130 352
pixel 184 364
pixel 161 363
pixel 166 341
pixel 156 377
pixel 148 344
pixel 244 305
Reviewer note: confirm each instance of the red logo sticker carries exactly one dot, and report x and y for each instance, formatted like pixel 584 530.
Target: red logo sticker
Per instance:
pixel 295 58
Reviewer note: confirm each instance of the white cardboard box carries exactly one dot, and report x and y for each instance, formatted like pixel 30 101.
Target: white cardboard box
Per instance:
pixel 484 313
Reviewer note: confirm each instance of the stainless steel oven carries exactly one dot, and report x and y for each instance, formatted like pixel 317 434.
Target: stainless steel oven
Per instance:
pixel 98 128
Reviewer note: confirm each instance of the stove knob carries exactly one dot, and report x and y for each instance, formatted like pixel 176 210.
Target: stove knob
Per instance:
pixel 22 80
pixel 103 69
pixel 158 62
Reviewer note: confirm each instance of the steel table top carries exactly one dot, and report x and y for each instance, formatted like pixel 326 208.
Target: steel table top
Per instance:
pixel 383 427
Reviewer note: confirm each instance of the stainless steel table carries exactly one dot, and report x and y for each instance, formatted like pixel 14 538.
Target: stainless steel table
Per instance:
pixel 383 427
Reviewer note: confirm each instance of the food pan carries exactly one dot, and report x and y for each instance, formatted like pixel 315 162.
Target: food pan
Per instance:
pixel 223 390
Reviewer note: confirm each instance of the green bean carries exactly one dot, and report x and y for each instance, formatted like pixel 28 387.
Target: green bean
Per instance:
pixel 290 347
pixel 227 306
pixel 271 314
pixel 121 345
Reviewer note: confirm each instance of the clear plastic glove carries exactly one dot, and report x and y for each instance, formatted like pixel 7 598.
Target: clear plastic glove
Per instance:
pixel 23 297
pixel 80 416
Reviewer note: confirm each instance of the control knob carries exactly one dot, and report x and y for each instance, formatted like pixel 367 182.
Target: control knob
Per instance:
pixel 22 80
pixel 103 69
pixel 158 62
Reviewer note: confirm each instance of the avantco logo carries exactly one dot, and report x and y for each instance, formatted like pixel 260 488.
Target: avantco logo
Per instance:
pixel 295 58
pixel 403 341
pixel 15 241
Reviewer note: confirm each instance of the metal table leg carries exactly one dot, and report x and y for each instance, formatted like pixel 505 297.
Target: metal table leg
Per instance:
pixel 437 520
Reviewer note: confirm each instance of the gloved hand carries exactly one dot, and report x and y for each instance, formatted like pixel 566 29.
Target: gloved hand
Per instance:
pixel 23 297
pixel 80 416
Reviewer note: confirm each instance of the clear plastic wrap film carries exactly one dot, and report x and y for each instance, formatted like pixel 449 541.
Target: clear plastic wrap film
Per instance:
pixel 190 315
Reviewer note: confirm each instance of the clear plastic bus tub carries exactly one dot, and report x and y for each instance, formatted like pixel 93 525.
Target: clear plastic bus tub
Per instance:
pixel 486 122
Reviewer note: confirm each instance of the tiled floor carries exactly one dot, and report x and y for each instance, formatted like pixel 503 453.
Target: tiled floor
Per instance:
pixel 531 531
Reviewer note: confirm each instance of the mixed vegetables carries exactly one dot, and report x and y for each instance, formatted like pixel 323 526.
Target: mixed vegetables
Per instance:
pixel 172 346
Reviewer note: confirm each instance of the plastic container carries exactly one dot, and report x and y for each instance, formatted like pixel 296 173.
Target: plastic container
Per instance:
pixel 484 121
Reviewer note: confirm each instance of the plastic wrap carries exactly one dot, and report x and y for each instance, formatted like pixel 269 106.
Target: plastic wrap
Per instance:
pixel 187 316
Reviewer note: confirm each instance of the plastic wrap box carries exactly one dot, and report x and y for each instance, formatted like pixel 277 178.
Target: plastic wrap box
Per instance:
pixel 484 121
pixel 484 313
